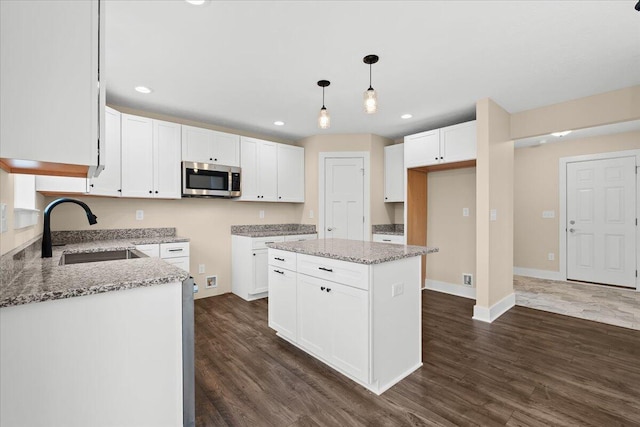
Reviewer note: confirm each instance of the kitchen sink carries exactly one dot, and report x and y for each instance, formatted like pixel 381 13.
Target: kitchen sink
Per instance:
pixel 82 257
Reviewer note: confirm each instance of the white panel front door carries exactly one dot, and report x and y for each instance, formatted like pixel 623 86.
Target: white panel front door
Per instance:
pixel 344 198
pixel 601 221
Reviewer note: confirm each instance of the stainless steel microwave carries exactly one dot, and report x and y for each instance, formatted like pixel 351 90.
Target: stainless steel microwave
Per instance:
pixel 209 180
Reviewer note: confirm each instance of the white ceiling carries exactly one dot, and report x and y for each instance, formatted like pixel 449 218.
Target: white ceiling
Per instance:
pixel 245 64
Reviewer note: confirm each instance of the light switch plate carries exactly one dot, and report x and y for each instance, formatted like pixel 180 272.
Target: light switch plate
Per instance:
pixel 551 256
pixel 397 289
pixel 139 215
pixel 200 268
pixel 548 214
pixel 493 215
pixel 465 211
pixel 261 214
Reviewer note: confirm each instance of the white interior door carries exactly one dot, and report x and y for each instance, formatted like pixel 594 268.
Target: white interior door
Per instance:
pixel 344 198
pixel 601 221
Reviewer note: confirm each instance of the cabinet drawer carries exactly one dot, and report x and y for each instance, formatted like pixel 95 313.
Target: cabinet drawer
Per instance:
pixel 261 242
pixel 181 262
pixel 174 250
pixel 300 237
pixel 348 273
pixel 282 259
pixel 388 238
pixel 151 250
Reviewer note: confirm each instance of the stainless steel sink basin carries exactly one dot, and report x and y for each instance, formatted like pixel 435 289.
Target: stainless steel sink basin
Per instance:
pixel 82 257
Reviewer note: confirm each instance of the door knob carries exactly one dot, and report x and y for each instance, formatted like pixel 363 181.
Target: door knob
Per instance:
pixel 572 222
pixel 572 230
pixel 330 228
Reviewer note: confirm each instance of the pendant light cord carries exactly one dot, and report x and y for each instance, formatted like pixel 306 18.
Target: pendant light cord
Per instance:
pixel 370 87
pixel 323 97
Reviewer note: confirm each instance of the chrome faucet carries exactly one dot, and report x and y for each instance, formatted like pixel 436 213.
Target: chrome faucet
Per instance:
pixel 46 234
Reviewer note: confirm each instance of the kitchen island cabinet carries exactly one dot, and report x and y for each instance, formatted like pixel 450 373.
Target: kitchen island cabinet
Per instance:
pixel 354 305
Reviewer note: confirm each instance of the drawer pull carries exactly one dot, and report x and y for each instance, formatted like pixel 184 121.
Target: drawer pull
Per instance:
pixel 386 240
pixel 325 269
pixel 328 289
pixel 175 250
pixel 322 288
pixel 266 243
pixel 278 271
pixel 279 259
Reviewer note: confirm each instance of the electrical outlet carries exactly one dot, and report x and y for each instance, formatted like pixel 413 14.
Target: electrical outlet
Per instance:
pixel 200 268
pixel 465 211
pixel 311 213
pixel 397 289
pixel 548 214
pixel 467 279
pixel 261 214
pixel 212 282
pixel 551 256
pixel 139 215
pixel 493 215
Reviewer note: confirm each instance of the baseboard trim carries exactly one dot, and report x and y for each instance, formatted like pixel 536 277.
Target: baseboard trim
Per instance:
pixel 450 288
pixel 489 314
pixel 539 274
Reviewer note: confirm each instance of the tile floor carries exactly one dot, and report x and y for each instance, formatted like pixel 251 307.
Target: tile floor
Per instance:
pixel 605 304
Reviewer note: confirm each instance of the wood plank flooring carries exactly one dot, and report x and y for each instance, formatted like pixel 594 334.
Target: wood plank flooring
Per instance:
pixel 528 368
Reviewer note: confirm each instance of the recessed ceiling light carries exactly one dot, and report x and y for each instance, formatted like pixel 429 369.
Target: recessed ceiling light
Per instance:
pixel 278 123
pixel 196 2
pixel 143 89
pixel 406 116
pixel 561 134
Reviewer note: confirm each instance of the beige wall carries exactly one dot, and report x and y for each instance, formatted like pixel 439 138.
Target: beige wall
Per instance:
pixel 14 238
pixel 611 107
pixel 455 235
pixel 381 213
pixel 494 190
pixel 536 190
pixel 206 222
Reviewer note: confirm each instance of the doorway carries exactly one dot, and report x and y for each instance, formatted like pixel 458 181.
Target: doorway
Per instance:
pixel 598 221
pixel 344 195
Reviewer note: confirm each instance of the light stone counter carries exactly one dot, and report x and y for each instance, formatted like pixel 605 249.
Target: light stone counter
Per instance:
pixel 360 252
pixel 43 279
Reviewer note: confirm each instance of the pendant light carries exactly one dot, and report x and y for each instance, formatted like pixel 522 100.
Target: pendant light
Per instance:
pixel 370 95
pixel 324 121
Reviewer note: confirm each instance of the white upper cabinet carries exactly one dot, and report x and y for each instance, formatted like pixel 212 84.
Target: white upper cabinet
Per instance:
pixel 290 173
pixel 446 145
pixel 209 146
pixel 150 158
pixel 271 172
pixel 259 170
pixel 394 173
pixel 108 183
pixel 51 101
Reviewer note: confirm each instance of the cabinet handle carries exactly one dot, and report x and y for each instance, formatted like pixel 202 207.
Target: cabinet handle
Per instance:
pixel 215 160
pixel 175 250
pixel 278 271
pixel 325 269
pixel 328 289
pixel 156 191
pixel 386 240
pixel 441 158
pixel 436 158
pixel 279 259
pixel 90 185
pixel 386 198
pixel 210 158
pixel 150 192
pixel 119 190
pixel 322 288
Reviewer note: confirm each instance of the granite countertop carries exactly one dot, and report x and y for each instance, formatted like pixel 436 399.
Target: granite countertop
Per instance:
pixel 354 250
pixel 269 230
pixel 43 279
pixel 390 229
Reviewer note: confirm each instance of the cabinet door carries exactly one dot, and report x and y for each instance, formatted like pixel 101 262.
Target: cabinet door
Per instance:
pixel 422 149
pixel 60 184
pixel 394 173
pixel 282 301
pixel 290 173
pixel 267 171
pixel 137 156
pixel 197 144
pixel 151 250
pixel 249 165
pixel 313 325
pixel 50 59
pixel 226 149
pixel 166 157
pixel 260 273
pixel 349 318
pixel 108 182
pixel 458 142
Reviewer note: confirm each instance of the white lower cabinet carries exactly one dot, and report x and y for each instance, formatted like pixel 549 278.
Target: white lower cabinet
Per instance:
pixel 175 253
pixel 249 261
pixel 362 320
pixel 333 324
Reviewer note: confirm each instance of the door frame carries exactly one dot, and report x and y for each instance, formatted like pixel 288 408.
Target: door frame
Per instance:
pixel 562 187
pixel 366 156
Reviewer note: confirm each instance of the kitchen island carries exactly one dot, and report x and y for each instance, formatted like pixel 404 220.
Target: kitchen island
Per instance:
pixel 354 305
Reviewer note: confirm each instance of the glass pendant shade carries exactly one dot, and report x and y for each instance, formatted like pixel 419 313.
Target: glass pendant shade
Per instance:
pixel 370 101
pixel 324 120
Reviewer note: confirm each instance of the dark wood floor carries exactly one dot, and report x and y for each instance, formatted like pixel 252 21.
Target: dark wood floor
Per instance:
pixel 528 368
